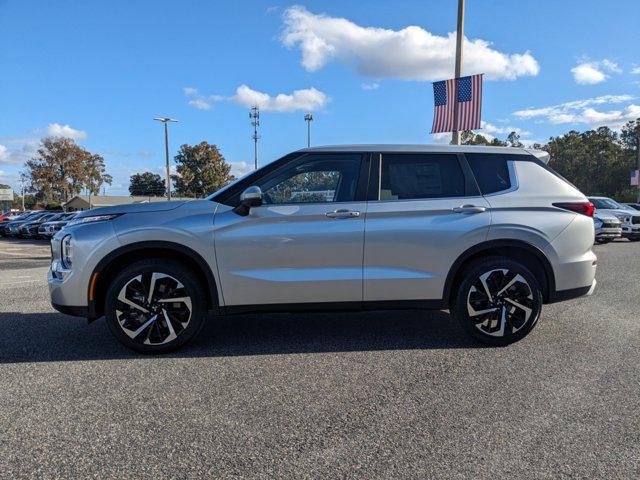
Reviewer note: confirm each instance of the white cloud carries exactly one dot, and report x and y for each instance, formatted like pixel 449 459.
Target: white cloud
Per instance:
pixel 200 103
pixel 308 99
pixel 17 156
pixel 238 169
pixel 582 111
pixel 592 72
pixel 370 86
pixel 57 130
pixel 441 138
pixel 635 70
pixel 488 128
pixel 410 54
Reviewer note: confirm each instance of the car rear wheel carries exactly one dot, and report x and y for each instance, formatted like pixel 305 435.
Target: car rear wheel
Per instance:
pixel 155 306
pixel 498 301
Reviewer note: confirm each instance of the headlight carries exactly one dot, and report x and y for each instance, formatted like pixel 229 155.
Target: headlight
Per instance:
pixel 597 222
pixel 67 252
pixel 94 218
pixel 623 218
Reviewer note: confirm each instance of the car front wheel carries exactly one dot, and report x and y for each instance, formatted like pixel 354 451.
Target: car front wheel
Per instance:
pixel 498 301
pixel 155 306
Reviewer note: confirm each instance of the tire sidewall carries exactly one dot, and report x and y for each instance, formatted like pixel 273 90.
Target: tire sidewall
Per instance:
pixel 169 267
pixel 471 275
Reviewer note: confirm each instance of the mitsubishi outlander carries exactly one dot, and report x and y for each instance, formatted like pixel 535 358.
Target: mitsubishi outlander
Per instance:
pixel 490 233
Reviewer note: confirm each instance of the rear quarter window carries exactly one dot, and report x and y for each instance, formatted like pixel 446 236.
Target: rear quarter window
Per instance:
pixel 491 171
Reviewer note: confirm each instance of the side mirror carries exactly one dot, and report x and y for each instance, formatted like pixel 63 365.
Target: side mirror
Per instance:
pixel 251 197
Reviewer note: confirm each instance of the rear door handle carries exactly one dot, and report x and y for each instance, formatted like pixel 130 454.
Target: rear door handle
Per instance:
pixel 343 213
pixel 469 209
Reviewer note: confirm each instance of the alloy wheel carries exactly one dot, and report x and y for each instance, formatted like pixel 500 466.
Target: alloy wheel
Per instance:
pixel 153 308
pixel 500 302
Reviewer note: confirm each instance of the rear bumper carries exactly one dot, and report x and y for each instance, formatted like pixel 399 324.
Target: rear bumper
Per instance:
pixel 562 295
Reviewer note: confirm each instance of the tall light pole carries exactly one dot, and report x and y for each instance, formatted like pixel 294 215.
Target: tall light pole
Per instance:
pixel 254 115
pixel 638 159
pixel 455 136
pixel 166 120
pixel 308 118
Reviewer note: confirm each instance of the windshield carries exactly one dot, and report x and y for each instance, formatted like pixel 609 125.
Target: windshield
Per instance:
pixel 606 203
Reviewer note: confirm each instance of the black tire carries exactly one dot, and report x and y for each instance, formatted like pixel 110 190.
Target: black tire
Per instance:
pixel 172 319
pixel 501 314
pixel 634 239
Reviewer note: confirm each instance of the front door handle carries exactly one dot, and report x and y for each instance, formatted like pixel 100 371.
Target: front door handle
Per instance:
pixel 343 213
pixel 469 209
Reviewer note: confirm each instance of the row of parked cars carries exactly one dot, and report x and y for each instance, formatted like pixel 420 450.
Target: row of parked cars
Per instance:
pixel 615 220
pixel 36 224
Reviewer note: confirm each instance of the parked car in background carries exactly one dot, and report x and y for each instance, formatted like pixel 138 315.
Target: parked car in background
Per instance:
pixel 9 215
pixel 12 228
pixel 608 228
pixel 29 229
pixel 49 228
pixel 635 206
pixel 629 218
pixel 490 233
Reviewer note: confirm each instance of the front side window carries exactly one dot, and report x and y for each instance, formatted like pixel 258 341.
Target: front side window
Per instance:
pixel 313 179
pixel 416 176
pixel 491 171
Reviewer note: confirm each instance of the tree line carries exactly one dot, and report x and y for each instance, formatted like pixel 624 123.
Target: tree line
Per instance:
pixel 598 162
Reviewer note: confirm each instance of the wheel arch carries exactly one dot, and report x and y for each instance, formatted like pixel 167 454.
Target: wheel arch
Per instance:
pixel 519 250
pixel 111 264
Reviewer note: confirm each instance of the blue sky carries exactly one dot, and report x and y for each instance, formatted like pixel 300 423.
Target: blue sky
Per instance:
pixel 100 71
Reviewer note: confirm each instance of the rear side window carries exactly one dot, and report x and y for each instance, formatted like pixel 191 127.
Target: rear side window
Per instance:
pixel 415 176
pixel 491 172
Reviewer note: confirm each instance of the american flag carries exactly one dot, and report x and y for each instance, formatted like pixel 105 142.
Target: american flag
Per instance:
pixel 469 93
pixel 635 178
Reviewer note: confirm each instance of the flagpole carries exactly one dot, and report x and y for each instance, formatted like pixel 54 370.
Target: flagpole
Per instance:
pixel 455 136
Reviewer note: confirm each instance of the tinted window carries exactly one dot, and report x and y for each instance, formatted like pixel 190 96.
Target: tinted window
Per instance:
pixel 491 172
pixel 313 179
pixel 420 176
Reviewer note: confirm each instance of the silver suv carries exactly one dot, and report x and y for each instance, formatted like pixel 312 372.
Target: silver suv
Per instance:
pixel 489 233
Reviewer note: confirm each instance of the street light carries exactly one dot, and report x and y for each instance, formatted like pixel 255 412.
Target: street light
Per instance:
pixel 166 120
pixel 308 118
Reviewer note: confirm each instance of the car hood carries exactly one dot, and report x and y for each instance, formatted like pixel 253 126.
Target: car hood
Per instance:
pixel 133 208
pixel 616 212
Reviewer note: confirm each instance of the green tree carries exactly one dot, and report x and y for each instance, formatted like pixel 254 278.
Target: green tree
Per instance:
pixel 61 169
pixel 470 138
pixel 147 184
pixel 595 161
pixel 201 170
pixel 95 173
pixel 513 140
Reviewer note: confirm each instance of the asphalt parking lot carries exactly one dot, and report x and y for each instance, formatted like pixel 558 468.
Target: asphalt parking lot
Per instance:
pixel 367 395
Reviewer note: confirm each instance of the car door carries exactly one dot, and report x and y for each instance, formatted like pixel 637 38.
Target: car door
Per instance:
pixel 304 244
pixel 424 211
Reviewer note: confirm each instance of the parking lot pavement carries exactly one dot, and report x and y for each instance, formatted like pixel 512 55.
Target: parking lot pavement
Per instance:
pixel 359 395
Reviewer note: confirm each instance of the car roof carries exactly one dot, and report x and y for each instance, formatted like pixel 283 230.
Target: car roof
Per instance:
pixel 427 148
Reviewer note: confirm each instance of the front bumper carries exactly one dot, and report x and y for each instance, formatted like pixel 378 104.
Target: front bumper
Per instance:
pixel 631 230
pixel 608 233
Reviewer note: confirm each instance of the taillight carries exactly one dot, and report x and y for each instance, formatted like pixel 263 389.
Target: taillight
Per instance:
pixel 584 208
